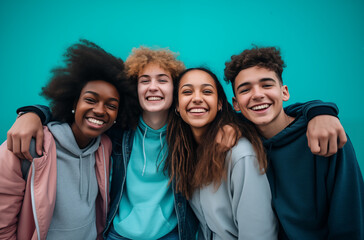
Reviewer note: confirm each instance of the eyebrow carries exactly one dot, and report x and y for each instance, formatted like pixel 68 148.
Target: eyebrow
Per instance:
pixel 96 94
pixel 204 85
pixel 159 75
pixel 260 80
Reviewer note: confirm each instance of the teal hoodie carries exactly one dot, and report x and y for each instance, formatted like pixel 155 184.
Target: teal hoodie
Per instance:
pixel 147 206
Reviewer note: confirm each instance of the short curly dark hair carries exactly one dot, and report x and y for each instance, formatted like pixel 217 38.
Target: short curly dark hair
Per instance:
pixel 85 62
pixel 264 57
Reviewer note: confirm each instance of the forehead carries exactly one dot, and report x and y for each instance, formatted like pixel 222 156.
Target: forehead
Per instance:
pixel 197 77
pixel 254 74
pixel 100 87
pixel 152 69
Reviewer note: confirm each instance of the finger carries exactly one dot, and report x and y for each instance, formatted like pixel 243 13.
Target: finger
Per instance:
pixel 323 146
pixel 342 139
pixel 332 146
pixel 39 142
pixel 313 144
pixel 231 141
pixel 16 147
pixel 9 141
pixel 25 144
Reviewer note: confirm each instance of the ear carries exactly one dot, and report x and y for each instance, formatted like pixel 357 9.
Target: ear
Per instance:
pixel 219 106
pixel 285 93
pixel 177 108
pixel 75 104
pixel 236 105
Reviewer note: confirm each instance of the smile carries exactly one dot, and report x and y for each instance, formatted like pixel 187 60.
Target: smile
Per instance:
pixel 197 110
pixel 95 121
pixel 154 98
pixel 260 107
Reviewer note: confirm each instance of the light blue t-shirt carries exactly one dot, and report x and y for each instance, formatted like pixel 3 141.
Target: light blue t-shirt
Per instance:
pixel 147 209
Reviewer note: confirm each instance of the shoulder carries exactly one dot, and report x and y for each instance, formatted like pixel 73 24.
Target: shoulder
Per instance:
pixel 242 149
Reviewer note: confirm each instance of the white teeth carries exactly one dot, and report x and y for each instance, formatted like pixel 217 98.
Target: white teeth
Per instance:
pixel 93 120
pixel 260 107
pixel 154 98
pixel 197 110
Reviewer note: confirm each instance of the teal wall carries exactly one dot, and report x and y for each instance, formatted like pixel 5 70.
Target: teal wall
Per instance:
pixel 322 43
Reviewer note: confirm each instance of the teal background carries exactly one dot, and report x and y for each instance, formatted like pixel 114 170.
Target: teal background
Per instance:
pixel 322 43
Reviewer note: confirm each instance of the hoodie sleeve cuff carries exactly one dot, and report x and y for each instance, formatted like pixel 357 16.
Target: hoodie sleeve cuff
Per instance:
pixel 320 110
pixel 43 112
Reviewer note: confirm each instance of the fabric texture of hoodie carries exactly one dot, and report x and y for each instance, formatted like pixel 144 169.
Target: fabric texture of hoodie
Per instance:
pixel 314 197
pixel 240 208
pixel 147 205
pixel 74 215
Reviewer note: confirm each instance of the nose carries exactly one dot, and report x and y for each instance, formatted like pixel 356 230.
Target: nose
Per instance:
pixel 153 85
pixel 99 109
pixel 257 93
pixel 197 98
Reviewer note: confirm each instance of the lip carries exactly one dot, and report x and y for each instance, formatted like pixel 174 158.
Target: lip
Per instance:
pixel 154 98
pixel 260 107
pixel 95 123
pixel 197 110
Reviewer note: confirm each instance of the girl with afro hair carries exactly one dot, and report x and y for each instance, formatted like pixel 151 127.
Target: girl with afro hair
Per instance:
pixel 66 192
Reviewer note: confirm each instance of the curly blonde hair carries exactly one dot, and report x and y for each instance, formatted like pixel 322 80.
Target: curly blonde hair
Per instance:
pixel 142 56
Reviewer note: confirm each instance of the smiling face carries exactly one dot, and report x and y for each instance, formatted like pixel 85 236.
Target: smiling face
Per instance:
pixel 259 95
pixel 95 111
pixel 155 91
pixel 197 100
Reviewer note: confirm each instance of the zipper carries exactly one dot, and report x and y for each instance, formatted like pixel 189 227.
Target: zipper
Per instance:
pixel 177 212
pixel 33 201
pixel 106 180
pixel 124 178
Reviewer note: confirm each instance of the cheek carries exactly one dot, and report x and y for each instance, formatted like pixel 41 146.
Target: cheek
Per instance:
pixel 113 115
pixel 141 91
pixel 243 101
pixel 168 91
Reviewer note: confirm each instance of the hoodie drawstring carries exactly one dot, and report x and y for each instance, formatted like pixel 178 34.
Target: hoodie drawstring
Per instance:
pixel 145 158
pixel 82 187
pixel 81 178
pixel 144 154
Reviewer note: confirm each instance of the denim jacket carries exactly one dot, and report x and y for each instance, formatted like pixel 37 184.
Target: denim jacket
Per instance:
pixel 122 146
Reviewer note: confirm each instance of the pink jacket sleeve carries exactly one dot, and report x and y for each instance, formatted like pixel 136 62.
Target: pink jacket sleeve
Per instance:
pixel 12 187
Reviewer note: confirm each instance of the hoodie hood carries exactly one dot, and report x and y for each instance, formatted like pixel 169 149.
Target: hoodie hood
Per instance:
pixel 287 135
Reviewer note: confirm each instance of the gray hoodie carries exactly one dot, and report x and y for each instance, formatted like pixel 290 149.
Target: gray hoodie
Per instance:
pixel 241 207
pixel 74 214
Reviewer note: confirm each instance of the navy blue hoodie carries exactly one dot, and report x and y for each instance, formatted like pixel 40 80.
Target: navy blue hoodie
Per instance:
pixel 314 197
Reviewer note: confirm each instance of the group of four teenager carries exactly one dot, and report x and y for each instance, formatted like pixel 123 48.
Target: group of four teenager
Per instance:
pixel 176 138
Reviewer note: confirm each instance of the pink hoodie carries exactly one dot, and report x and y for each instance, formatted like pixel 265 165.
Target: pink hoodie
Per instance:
pixel 26 208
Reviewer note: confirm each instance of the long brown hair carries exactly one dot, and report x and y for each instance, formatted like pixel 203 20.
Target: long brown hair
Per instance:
pixel 193 165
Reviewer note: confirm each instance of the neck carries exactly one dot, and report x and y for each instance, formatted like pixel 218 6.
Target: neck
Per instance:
pixel 276 126
pixel 82 141
pixel 155 120
pixel 197 135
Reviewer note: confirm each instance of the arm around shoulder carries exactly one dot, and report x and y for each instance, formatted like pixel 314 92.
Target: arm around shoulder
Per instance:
pixel 28 125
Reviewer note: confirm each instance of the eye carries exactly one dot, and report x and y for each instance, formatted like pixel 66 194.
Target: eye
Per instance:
pixel 144 80
pixel 112 106
pixel 267 85
pixel 90 100
pixel 186 92
pixel 163 80
pixel 242 91
pixel 208 91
